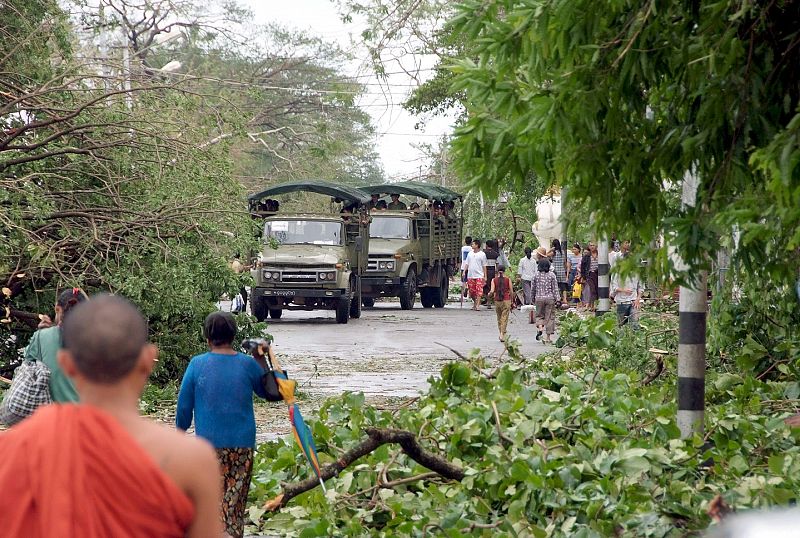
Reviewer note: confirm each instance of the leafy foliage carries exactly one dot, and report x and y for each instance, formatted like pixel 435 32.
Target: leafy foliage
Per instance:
pixel 755 329
pixel 120 177
pixel 587 452
pixel 587 95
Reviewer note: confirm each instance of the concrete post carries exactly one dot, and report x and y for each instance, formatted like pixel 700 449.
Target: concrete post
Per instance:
pixel 603 276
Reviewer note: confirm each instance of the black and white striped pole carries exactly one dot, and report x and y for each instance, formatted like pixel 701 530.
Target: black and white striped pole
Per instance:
pixel 603 276
pixel 692 308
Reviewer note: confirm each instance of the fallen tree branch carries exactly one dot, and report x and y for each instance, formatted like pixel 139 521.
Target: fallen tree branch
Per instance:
pixel 650 377
pixel 459 355
pixel 504 439
pixel 376 437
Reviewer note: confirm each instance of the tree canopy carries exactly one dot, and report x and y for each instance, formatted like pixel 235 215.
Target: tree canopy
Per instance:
pixel 117 175
pixel 618 101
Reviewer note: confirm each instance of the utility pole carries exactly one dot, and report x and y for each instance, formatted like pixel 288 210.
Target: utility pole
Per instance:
pixel 692 308
pixel 443 163
pixel 603 270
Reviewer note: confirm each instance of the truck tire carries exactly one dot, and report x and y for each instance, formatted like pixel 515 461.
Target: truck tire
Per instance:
pixel 355 302
pixel 275 313
pixel 369 302
pixel 258 307
pixel 409 293
pixel 343 307
pixel 426 297
pixel 440 294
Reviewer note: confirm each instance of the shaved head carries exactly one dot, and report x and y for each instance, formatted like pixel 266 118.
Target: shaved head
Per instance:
pixel 105 337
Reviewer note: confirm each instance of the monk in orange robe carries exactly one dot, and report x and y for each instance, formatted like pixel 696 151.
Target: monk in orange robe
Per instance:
pixel 98 469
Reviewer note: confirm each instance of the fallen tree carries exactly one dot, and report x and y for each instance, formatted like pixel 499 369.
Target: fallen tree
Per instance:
pixel 376 437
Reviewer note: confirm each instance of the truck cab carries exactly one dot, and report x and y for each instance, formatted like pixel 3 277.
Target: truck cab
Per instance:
pixel 313 260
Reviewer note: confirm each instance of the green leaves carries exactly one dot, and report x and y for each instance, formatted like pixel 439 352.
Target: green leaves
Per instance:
pixel 590 454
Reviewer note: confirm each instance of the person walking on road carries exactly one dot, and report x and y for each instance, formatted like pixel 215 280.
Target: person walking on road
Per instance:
pixel 545 295
pixel 475 267
pixel 526 271
pixel 559 267
pixel 502 291
pixel 466 249
pixel 217 391
pixel 573 264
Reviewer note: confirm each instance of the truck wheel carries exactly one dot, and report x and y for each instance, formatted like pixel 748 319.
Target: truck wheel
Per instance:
pixel 258 306
pixel 369 302
pixel 355 305
pixel 275 313
pixel 409 294
pixel 440 294
pixel 426 297
pixel 343 308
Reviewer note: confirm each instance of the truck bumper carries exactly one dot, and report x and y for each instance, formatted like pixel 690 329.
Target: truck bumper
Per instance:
pixel 282 293
pixel 381 286
pixel 381 281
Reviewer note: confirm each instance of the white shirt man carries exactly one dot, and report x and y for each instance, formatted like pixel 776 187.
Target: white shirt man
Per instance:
pixel 475 266
pixel 627 293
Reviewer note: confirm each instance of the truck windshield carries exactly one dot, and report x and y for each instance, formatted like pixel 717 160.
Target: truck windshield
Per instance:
pixel 390 228
pixel 304 232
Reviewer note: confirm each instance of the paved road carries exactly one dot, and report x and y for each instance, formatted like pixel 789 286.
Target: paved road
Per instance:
pixel 388 354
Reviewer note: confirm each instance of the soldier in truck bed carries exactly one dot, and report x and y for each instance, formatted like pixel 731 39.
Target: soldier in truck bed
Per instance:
pixel 396 204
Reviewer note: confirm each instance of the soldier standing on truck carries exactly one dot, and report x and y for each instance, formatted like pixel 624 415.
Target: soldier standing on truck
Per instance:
pixel 396 204
pixel 475 266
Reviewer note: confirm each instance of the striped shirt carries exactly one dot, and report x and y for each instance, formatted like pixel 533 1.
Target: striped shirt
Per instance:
pixel 593 266
pixel 545 286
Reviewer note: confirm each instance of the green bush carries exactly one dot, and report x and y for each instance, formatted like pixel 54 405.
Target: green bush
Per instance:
pixel 591 452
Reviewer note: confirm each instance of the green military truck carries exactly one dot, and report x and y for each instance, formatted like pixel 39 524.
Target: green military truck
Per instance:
pixel 414 250
pixel 310 260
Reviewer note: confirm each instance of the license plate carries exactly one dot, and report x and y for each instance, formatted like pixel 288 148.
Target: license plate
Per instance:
pixel 282 293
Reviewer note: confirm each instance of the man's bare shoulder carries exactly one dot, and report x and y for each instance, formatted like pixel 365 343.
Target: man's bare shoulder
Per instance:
pixel 176 452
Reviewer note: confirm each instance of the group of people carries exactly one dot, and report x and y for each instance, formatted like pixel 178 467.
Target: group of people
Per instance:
pixel 550 277
pixel 626 292
pixel 488 267
pixel 90 466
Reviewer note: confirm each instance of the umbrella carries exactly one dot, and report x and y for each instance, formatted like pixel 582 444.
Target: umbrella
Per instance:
pixel 302 434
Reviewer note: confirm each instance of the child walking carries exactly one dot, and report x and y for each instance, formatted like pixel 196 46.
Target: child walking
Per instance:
pixel 545 295
pixel 502 291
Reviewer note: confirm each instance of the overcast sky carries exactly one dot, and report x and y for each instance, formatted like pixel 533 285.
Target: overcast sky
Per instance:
pixel 395 127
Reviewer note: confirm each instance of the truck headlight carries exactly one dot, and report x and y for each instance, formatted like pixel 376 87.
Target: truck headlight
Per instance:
pixel 332 275
pixel 390 266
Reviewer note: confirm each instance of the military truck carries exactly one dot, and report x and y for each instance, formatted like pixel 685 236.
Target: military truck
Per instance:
pixel 413 250
pixel 311 260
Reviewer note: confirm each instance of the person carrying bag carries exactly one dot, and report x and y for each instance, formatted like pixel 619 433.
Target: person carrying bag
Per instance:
pixel 40 380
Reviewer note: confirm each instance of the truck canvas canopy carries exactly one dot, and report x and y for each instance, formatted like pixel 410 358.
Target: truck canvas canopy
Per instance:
pixel 344 192
pixel 414 188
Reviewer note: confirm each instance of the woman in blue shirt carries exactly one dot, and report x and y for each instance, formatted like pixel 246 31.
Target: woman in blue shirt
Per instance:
pixel 217 390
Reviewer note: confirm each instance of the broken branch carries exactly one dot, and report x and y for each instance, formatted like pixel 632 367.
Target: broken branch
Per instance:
pixel 376 438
